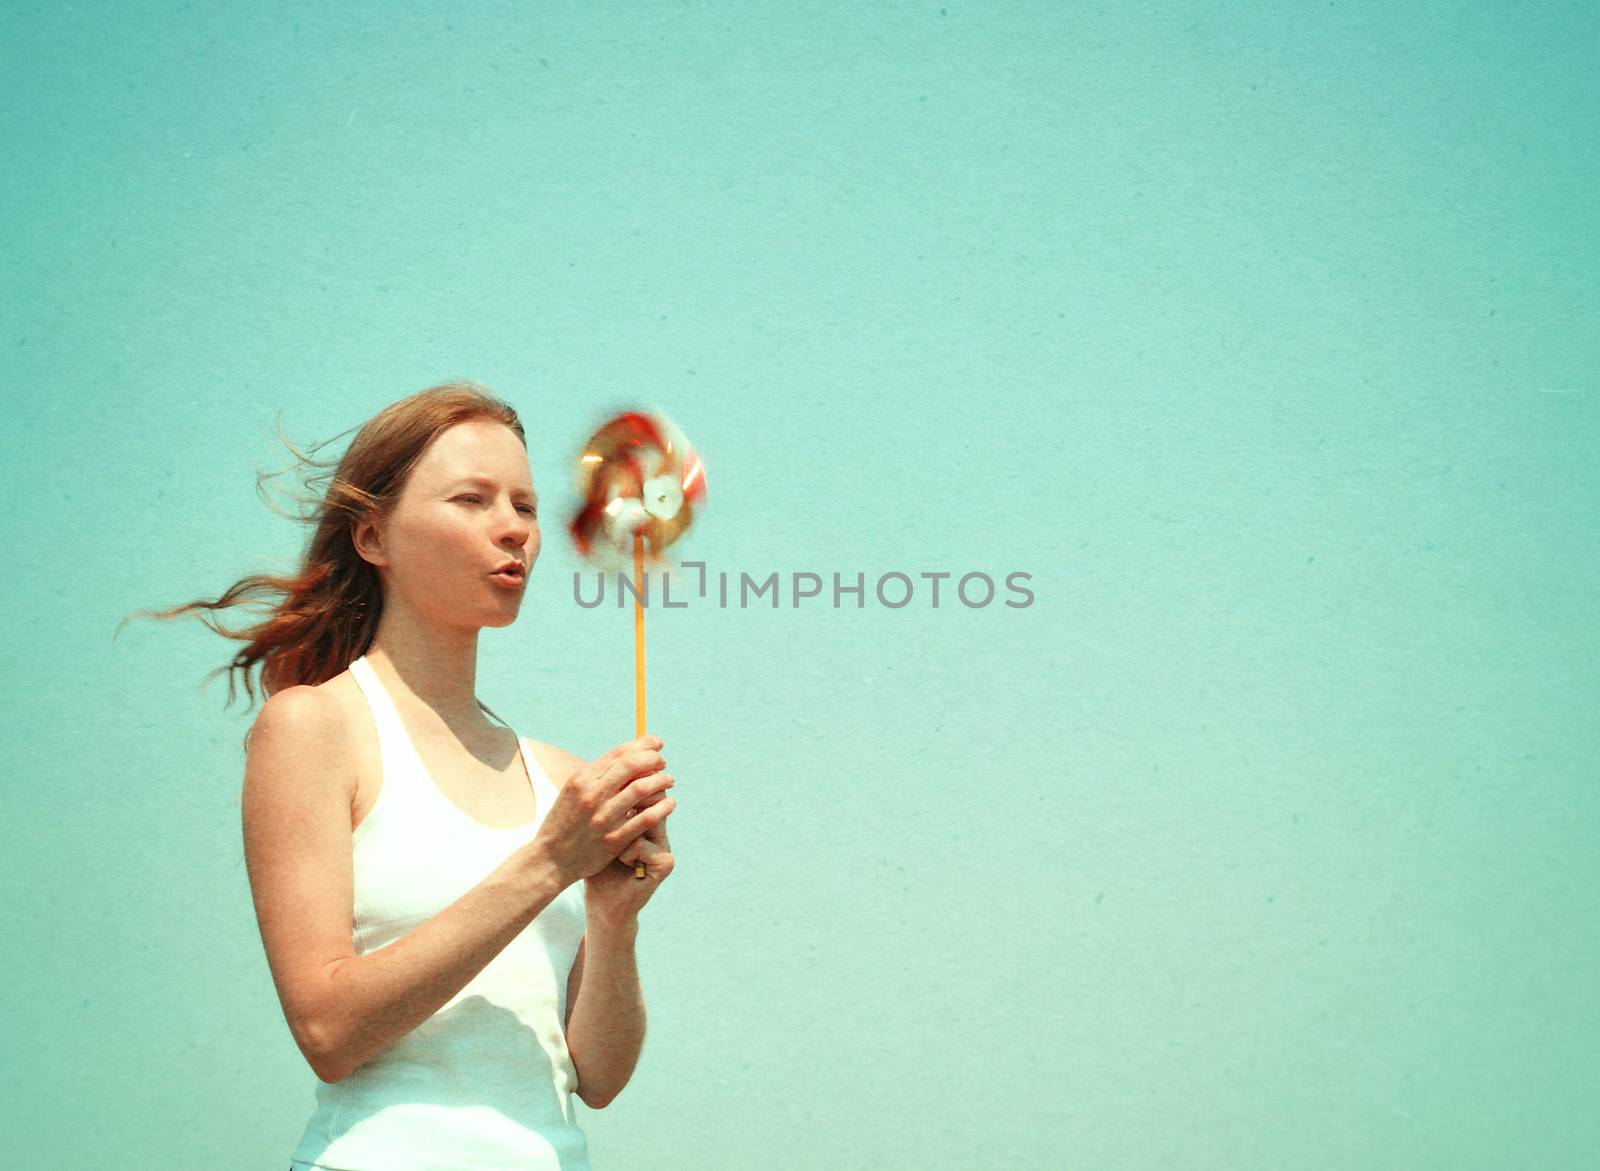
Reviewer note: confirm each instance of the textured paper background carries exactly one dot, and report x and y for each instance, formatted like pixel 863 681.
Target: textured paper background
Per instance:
pixel 1262 337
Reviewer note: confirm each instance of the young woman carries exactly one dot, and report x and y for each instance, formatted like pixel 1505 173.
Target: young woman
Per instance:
pixel 448 909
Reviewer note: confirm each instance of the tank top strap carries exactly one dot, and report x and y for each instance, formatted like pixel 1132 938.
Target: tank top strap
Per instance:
pixel 543 787
pixel 401 764
pixel 384 714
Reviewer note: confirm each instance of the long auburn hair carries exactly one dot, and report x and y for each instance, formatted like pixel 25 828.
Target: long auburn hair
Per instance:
pixel 325 615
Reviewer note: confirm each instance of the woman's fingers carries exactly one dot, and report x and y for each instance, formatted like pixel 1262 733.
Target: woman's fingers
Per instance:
pixel 633 795
pixel 643 821
pixel 653 839
pixel 637 763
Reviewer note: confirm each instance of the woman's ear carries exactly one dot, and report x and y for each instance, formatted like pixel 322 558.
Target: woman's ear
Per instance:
pixel 366 534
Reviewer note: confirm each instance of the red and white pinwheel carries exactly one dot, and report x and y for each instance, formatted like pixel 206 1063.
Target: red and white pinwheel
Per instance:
pixel 641 485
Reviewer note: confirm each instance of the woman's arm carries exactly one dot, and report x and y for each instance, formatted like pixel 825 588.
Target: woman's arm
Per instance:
pixel 605 1020
pixel 606 1017
pixel 343 1008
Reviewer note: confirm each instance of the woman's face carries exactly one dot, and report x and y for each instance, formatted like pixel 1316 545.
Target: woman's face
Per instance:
pixel 468 508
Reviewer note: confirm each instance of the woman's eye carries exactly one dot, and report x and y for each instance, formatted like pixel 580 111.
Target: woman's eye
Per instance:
pixel 528 508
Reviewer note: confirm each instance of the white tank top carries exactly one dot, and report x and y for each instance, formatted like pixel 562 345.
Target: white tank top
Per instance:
pixel 486 1083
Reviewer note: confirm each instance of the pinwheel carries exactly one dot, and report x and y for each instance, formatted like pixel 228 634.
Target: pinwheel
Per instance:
pixel 641 484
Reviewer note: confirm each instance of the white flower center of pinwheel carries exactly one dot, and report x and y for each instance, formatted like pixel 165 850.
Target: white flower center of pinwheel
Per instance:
pixel 663 496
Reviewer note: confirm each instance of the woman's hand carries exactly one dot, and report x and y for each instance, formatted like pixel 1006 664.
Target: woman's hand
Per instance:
pixel 592 820
pixel 614 894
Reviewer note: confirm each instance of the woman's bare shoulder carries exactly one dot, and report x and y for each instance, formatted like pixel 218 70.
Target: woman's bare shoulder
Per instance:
pixel 557 762
pixel 299 751
pixel 313 711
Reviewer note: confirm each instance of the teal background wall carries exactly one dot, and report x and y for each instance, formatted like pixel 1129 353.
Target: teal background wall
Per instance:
pixel 1263 338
